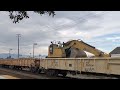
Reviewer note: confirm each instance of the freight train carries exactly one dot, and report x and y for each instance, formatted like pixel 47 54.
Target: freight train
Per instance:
pixel 68 58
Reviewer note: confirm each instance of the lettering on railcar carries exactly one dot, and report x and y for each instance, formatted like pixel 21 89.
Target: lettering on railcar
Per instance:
pixel 56 62
pixel 89 67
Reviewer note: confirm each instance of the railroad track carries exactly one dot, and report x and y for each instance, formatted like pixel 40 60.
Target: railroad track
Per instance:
pixel 30 75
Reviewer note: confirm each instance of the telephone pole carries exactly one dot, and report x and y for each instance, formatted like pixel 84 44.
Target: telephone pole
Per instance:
pixel 33 48
pixel 18 35
pixel 9 53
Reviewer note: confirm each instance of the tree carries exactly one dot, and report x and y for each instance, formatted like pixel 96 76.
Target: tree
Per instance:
pixel 16 16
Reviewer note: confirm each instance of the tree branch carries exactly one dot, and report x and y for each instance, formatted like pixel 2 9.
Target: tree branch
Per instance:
pixel 17 16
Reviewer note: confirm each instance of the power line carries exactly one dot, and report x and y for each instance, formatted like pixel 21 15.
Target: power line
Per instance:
pixel 77 20
pixel 18 35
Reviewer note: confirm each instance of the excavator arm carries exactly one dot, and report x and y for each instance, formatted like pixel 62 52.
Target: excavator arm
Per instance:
pixel 85 47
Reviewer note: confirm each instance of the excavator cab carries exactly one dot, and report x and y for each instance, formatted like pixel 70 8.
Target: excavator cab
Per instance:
pixel 63 51
pixel 54 51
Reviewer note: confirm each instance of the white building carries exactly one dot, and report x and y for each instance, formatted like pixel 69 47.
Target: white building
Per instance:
pixel 115 52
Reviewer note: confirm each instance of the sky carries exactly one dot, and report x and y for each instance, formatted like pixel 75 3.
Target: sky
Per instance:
pixel 100 29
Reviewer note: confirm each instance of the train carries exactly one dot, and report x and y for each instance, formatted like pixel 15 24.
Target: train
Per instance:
pixel 67 58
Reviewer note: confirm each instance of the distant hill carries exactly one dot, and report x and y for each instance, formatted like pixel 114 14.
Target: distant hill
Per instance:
pixel 5 55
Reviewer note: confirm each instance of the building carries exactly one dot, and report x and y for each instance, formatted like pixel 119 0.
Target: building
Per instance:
pixel 115 52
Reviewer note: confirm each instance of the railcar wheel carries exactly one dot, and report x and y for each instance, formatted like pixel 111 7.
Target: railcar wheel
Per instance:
pixel 48 72
pixel 52 73
pixel 64 73
pixel 20 68
pixel 32 69
pixel 56 73
pixel 39 70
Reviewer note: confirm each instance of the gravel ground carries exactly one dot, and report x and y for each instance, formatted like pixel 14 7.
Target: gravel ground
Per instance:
pixel 15 74
pixel 2 77
pixel 83 76
pixel 7 74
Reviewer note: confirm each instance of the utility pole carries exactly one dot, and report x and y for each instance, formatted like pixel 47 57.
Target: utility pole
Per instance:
pixel 33 48
pixel 30 55
pixel 9 53
pixel 18 35
pixel 39 56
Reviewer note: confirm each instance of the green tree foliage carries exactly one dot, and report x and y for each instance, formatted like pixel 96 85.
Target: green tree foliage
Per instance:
pixel 16 16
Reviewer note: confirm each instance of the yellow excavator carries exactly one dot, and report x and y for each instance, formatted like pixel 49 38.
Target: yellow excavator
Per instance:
pixel 73 49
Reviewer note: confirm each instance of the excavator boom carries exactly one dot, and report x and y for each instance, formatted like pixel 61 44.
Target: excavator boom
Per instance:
pixel 85 47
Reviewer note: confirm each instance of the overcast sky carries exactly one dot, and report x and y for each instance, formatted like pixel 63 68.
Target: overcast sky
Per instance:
pixel 100 29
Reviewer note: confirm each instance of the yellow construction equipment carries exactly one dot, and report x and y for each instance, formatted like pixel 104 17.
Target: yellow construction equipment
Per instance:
pixel 73 49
